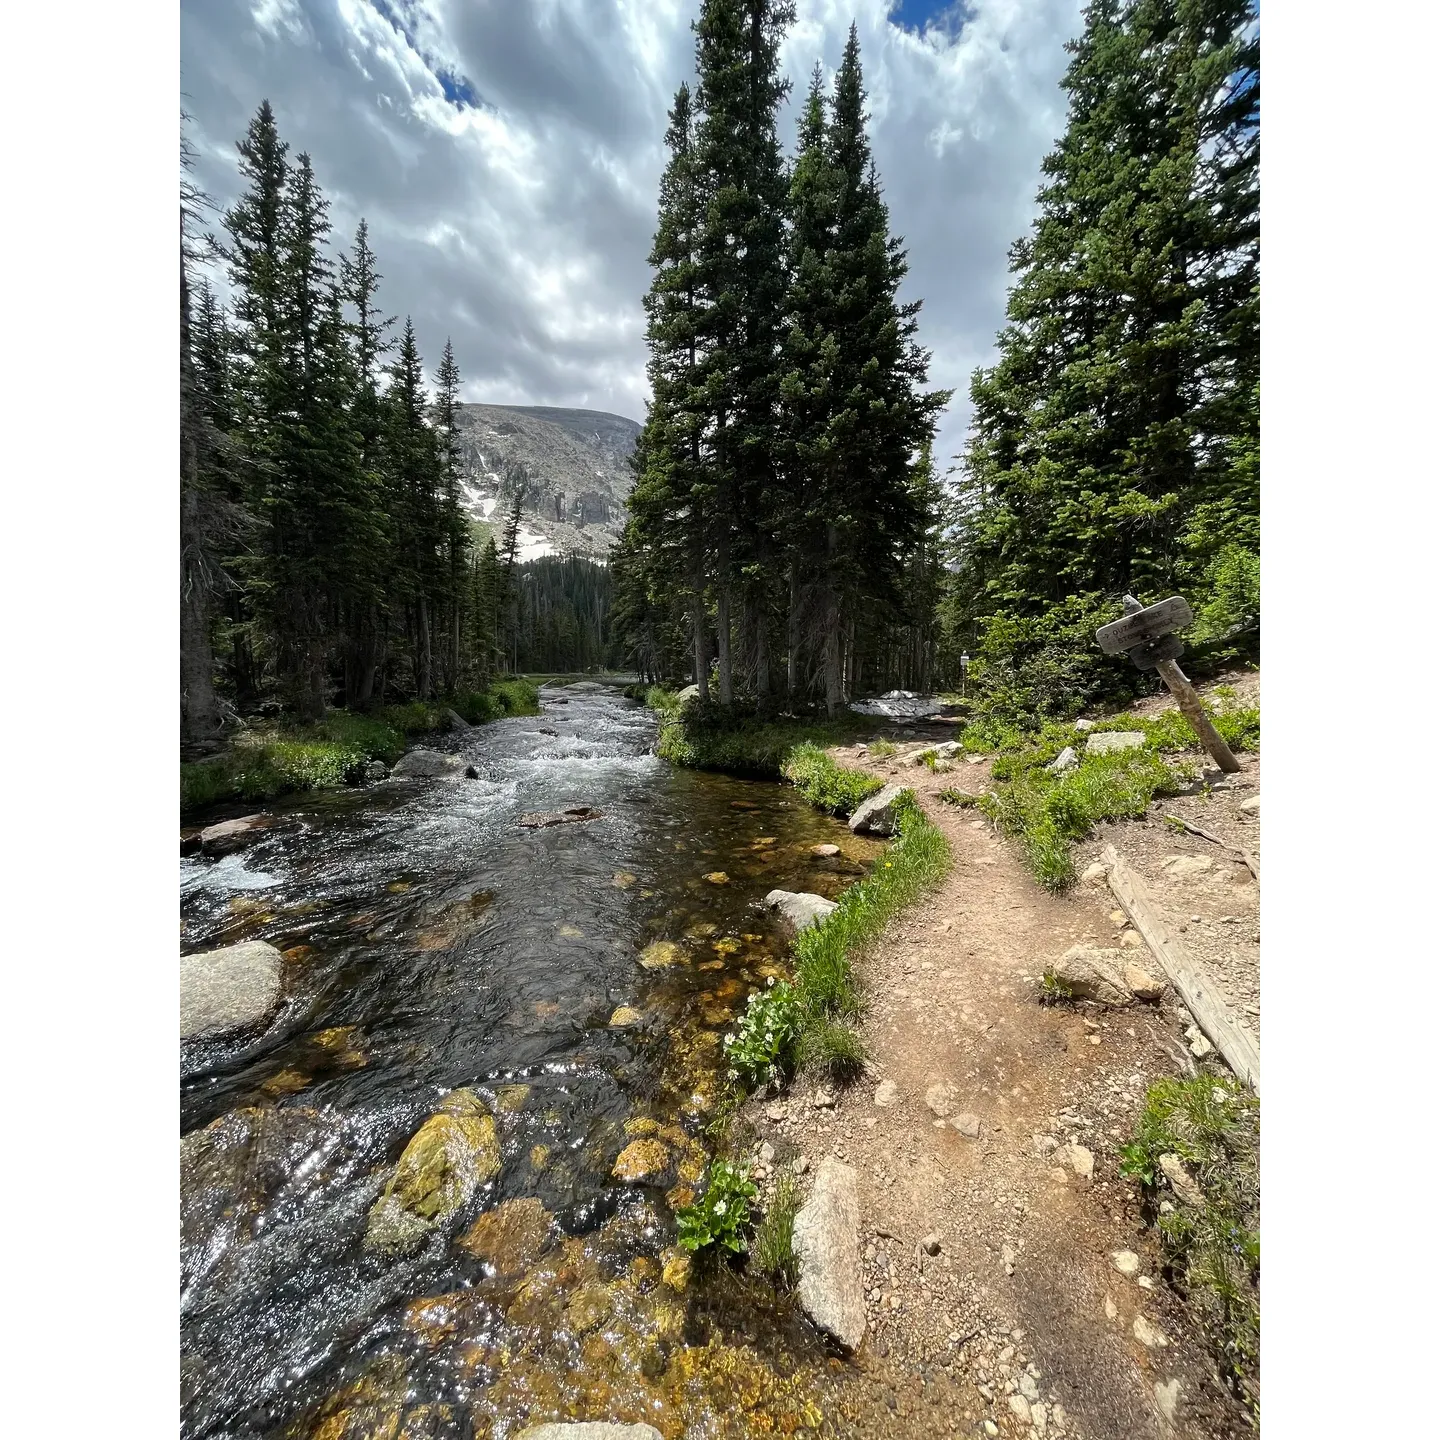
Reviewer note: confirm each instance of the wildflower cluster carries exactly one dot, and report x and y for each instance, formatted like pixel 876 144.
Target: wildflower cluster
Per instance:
pixel 722 1214
pixel 760 1047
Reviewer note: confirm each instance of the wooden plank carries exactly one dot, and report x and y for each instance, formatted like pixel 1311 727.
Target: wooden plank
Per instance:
pixel 1239 1047
pixel 1250 860
pixel 1141 626
pixel 1194 712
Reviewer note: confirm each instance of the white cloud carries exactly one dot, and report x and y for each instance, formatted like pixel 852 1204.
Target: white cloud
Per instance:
pixel 518 224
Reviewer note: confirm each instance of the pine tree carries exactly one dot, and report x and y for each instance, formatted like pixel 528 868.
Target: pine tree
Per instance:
pixel 1124 390
pixel 453 525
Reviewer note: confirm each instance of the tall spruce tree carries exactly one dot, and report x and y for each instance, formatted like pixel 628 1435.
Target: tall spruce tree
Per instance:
pixel 454 528
pixel 1121 408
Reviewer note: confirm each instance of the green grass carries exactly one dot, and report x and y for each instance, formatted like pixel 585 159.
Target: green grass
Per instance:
pixel 281 759
pixel 882 750
pixel 772 1251
pixel 1212 1249
pixel 825 784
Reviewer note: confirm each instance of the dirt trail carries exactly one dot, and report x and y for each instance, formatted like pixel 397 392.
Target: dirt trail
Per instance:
pixel 1021 1324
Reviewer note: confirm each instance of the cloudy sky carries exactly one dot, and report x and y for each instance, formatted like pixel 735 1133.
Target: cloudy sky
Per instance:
pixel 506 154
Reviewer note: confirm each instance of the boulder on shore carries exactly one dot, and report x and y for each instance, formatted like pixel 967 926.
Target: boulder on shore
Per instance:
pixel 879 815
pixel 1106 742
pixel 799 907
pixel 589 1430
pixel 827 1246
pixel 228 990
pixel 229 835
pixel 1093 974
pixel 457 720
pixel 428 764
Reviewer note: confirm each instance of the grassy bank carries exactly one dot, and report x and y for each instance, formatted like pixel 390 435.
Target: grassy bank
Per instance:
pixel 808 1023
pixel 1209 1223
pixel 280 758
pixel 1047 813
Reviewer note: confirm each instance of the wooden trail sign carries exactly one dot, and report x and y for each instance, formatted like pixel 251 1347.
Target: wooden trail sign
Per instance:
pixel 1147 635
pixel 1141 626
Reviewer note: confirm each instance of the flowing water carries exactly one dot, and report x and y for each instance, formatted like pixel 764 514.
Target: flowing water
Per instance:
pixel 573 983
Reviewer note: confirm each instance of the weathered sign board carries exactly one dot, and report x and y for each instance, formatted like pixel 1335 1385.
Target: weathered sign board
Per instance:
pixel 1147 635
pixel 1143 626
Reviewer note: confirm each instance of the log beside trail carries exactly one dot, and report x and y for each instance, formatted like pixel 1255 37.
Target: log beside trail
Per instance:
pixel 1251 862
pixel 1230 1038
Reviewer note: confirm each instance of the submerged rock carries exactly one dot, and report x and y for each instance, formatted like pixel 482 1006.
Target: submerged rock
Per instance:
pixel 879 814
pixel 642 1161
pixel 447 1160
pixel 824 852
pixel 575 814
pixel 228 990
pixel 428 764
pixel 800 907
pixel 661 954
pixel 509 1237
pixel 827 1247
pixel 230 835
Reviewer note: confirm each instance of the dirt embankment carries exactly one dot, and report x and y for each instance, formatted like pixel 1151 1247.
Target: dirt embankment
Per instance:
pixel 994 1123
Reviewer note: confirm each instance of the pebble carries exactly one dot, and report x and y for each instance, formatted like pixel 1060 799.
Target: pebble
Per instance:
pixel 937 1098
pixel 776 1113
pixel 1167 1399
pixel 1250 806
pixel 1029 1389
pixel 1110 1310
pixel 767 1153
pixel 1082 1161
pixel 1020 1408
pixel 1127 1262
pixel 824 1099
pixel 1147 1334
pixel 801 1165
pixel 967 1125
pixel 991 1428
pixel 886 1094
pixel 1200 1047
pixel 1131 940
pixel 931 1244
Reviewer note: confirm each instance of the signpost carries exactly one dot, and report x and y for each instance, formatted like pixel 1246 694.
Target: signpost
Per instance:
pixel 1146 634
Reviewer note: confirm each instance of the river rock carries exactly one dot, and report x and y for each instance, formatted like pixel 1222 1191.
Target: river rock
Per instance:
pixel 457 721
pixel 878 815
pixel 1093 974
pixel 590 1430
pixel 228 835
pixel 799 907
pixel 376 770
pixel 447 1160
pixel 1067 759
pixel 573 816
pixel 824 852
pixel 1143 985
pixel 827 1248
pixel 642 1162
pixel 509 1237
pixel 428 764
pixel 228 990
pixel 1106 742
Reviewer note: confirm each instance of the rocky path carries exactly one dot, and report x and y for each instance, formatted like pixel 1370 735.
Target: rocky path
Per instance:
pixel 1010 1284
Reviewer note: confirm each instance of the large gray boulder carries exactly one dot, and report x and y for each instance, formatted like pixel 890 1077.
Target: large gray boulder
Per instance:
pixel 230 835
pixel 799 907
pixel 878 815
pixel 457 720
pixel 427 764
pixel 1094 974
pixel 1105 742
pixel 827 1246
pixel 589 1430
pixel 228 990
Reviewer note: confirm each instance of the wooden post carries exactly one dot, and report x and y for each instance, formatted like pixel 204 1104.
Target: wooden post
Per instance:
pixel 1225 1032
pixel 1194 712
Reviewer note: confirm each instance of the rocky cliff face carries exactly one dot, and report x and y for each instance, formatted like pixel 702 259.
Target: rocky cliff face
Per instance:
pixel 579 467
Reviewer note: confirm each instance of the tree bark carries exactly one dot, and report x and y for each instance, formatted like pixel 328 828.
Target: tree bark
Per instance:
pixel 792 638
pixel 722 626
pixel 200 717
pixel 702 648
pixel 834 658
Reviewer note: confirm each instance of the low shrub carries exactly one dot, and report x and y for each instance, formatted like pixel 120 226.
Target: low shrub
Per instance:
pixel 762 1044
pixel 721 1216
pixel 1212 1248
pixel 826 785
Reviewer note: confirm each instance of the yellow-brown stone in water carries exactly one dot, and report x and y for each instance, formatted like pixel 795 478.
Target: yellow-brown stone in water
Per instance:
pixel 448 1158
pixel 701 930
pixel 296 953
pixel 692 1167
pixel 623 880
pixel 642 1160
pixel 434 1318
pixel 455 923
pixel 728 988
pixel 625 1015
pixel 286 1082
pixel 246 905
pixel 679 1196
pixel 661 954
pixel 717 1014
pixel 641 1125
pixel 718 877
pixel 510 1236
pixel 589 1307
pixel 539 1157
pixel 399 887
pixel 712 965
pixel 675 1271
pixel 510 1098
pixel 423 1422
pixel 726 946
pixel 571 932
pixel 546 1008
pixel 644 1273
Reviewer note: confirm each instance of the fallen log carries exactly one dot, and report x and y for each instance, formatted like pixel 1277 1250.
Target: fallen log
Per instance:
pixel 1212 1015
pixel 1250 860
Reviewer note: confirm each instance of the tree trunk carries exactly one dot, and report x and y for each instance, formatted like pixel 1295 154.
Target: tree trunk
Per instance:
pixel 422 656
pixel 834 658
pixel 702 648
pixel 792 638
pixel 199 710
